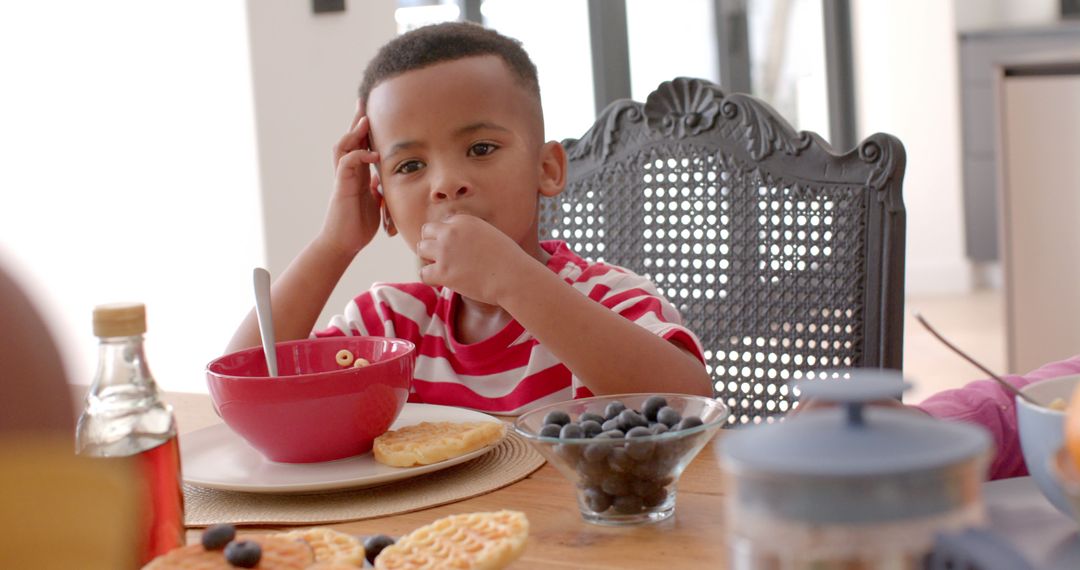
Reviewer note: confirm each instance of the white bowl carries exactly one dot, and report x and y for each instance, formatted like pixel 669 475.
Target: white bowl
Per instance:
pixel 1042 433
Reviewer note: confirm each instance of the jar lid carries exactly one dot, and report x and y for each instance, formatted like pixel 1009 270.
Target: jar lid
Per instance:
pixel 853 439
pixel 854 463
pixel 119 319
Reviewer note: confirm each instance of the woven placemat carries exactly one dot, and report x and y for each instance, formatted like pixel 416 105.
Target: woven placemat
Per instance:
pixel 510 461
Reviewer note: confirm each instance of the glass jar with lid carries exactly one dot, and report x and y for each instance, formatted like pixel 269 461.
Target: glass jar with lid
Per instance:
pixel 850 486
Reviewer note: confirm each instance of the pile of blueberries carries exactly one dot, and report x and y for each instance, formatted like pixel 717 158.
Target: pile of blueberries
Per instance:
pixel 628 475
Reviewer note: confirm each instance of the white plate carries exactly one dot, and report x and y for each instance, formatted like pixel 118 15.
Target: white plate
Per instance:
pixel 216 457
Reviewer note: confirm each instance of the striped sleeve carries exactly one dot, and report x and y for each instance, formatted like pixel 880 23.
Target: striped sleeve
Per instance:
pixel 637 299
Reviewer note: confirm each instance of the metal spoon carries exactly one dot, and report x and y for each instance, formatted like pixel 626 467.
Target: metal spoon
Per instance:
pixel 266 318
pixel 1008 387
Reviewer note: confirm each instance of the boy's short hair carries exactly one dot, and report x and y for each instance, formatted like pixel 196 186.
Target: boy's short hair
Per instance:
pixel 448 41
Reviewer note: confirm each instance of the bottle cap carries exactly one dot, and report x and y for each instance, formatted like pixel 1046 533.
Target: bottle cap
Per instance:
pixel 119 319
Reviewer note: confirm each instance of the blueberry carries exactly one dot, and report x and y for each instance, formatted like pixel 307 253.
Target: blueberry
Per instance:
pixel 651 406
pixel 616 484
pixel 619 461
pixel 659 428
pixel 639 450
pixel 557 417
pixel 597 451
pixel 597 500
pixel 591 428
pixel 630 419
pixel 550 430
pixel 375 544
pixel 689 422
pixel 655 498
pixel 642 487
pixel 628 504
pixel 609 425
pixel 243 553
pixel 648 470
pixel 615 433
pixel 217 536
pixel 571 431
pixel 613 409
pixel 592 473
pixel 591 416
pixel 668 416
pixel 568 451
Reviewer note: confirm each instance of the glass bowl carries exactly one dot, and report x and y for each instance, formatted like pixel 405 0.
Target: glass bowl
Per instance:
pixel 628 477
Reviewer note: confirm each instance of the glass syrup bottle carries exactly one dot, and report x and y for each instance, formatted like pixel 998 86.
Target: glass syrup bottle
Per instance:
pixel 125 419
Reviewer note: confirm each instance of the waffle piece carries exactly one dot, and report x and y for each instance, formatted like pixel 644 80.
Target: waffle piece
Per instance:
pixel 329 545
pixel 431 442
pixel 473 541
pixel 278 553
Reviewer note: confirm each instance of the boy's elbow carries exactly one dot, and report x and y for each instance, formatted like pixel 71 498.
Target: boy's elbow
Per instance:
pixel 703 384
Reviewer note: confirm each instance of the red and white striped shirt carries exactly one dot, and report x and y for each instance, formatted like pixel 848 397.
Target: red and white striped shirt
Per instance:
pixel 510 370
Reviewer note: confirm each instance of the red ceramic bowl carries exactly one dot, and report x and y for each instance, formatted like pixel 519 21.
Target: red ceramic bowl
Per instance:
pixel 314 410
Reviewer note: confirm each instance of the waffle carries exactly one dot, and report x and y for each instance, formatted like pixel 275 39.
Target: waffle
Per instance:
pixel 278 553
pixel 473 541
pixel 329 545
pixel 431 442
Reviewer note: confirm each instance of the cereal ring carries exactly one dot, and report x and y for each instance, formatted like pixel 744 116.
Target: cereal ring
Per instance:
pixel 360 363
pixel 344 358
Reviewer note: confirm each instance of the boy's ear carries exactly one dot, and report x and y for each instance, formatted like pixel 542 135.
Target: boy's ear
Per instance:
pixel 377 192
pixel 552 168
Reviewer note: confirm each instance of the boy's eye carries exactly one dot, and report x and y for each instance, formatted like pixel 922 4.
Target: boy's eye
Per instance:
pixel 482 149
pixel 409 166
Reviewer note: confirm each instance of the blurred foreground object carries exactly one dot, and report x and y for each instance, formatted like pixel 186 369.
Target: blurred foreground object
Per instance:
pixel 56 510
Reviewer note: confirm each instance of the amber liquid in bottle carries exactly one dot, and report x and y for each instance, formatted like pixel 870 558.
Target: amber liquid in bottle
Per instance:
pixel 125 420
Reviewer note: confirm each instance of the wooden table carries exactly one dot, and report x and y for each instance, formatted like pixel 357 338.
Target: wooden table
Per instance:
pixel 558 537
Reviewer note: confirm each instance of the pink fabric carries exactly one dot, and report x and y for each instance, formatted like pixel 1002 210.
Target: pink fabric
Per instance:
pixel 986 403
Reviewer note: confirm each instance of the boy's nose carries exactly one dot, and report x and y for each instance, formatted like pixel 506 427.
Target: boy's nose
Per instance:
pixel 449 192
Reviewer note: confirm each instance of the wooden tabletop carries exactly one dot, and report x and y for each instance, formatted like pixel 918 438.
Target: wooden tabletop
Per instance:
pixel 558 537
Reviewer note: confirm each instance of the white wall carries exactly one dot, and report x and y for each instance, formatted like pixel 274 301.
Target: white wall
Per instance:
pixel 307 68
pixel 129 171
pixel 906 72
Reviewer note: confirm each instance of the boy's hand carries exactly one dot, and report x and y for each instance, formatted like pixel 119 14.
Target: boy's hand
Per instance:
pixel 469 256
pixel 353 216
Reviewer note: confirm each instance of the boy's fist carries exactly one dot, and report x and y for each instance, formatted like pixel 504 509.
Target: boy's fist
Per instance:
pixel 470 256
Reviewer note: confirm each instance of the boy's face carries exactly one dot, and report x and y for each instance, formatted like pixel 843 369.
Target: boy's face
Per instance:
pixel 463 137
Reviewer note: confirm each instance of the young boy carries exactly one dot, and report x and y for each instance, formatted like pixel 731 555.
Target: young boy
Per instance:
pixel 450 117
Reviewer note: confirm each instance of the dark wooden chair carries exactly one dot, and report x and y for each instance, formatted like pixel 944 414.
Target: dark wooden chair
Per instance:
pixel 785 257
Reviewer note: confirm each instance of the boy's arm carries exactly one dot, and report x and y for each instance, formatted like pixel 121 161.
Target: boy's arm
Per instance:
pixel 608 352
pixel 299 294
